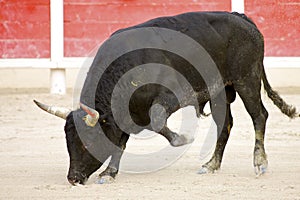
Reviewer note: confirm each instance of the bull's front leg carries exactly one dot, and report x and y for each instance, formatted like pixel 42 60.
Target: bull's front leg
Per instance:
pixel 110 173
pixel 175 139
pixel 159 115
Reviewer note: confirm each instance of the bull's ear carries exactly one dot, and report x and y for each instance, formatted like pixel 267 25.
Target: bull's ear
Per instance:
pixel 92 116
pixel 54 110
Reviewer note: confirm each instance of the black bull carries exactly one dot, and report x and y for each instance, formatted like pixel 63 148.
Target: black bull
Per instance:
pixel 236 46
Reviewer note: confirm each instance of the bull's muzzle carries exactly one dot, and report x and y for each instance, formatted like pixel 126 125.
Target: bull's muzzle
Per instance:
pixel 77 179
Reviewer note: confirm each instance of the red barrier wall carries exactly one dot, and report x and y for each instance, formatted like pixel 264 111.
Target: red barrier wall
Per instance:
pixel 24 29
pixel 25 25
pixel 279 21
pixel 89 22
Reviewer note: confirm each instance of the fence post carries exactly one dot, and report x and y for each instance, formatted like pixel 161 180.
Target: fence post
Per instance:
pixel 238 6
pixel 57 73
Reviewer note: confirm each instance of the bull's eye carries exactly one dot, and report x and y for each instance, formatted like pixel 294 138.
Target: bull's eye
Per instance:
pixel 84 147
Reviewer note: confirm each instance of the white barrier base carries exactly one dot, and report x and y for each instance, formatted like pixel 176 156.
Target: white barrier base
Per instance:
pixel 58 81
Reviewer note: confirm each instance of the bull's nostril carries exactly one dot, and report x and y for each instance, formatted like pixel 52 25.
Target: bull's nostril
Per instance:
pixel 72 182
pixel 75 181
pixel 75 178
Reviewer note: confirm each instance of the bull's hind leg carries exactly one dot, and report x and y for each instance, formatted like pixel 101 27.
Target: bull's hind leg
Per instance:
pixel 250 94
pixel 224 128
pixel 214 163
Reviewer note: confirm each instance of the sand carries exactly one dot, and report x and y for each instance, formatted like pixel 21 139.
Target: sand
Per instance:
pixel 34 158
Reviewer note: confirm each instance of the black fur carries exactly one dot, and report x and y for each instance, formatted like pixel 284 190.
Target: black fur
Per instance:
pixel 236 46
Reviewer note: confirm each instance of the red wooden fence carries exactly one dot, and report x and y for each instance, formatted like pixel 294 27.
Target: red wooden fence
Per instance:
pixel 279 21
pixel 24 29
pixel 25 25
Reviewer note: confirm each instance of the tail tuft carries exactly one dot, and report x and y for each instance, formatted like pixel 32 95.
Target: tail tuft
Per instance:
pixel 286 109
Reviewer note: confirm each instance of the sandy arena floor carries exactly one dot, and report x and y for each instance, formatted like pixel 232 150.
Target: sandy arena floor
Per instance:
pixel 34 158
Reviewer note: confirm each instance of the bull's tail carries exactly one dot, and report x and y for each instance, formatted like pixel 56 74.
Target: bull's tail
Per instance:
pixel 286 109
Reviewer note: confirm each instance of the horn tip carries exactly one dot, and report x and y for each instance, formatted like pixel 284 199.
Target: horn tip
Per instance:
pixel 40 105
pixel 37 103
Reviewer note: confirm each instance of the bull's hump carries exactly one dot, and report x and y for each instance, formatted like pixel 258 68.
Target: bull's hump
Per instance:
pixel 179 22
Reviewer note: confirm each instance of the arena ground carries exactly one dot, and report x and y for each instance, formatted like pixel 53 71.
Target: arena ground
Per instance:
pixel 34 158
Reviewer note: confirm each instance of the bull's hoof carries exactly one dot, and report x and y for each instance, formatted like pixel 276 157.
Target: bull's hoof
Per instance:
pixel 181 140
pixel 105 180
pixel 260 162
pixel 261 169
pixel 206 170
pixel 211 166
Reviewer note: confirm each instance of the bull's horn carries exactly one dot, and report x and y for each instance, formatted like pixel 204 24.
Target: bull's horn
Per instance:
pixel 54 110
pixel 92 116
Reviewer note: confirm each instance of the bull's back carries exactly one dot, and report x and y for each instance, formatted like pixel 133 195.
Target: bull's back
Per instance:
pixel 222 34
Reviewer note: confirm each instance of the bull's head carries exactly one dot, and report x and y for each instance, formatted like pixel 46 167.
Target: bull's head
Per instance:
pixel 82 163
